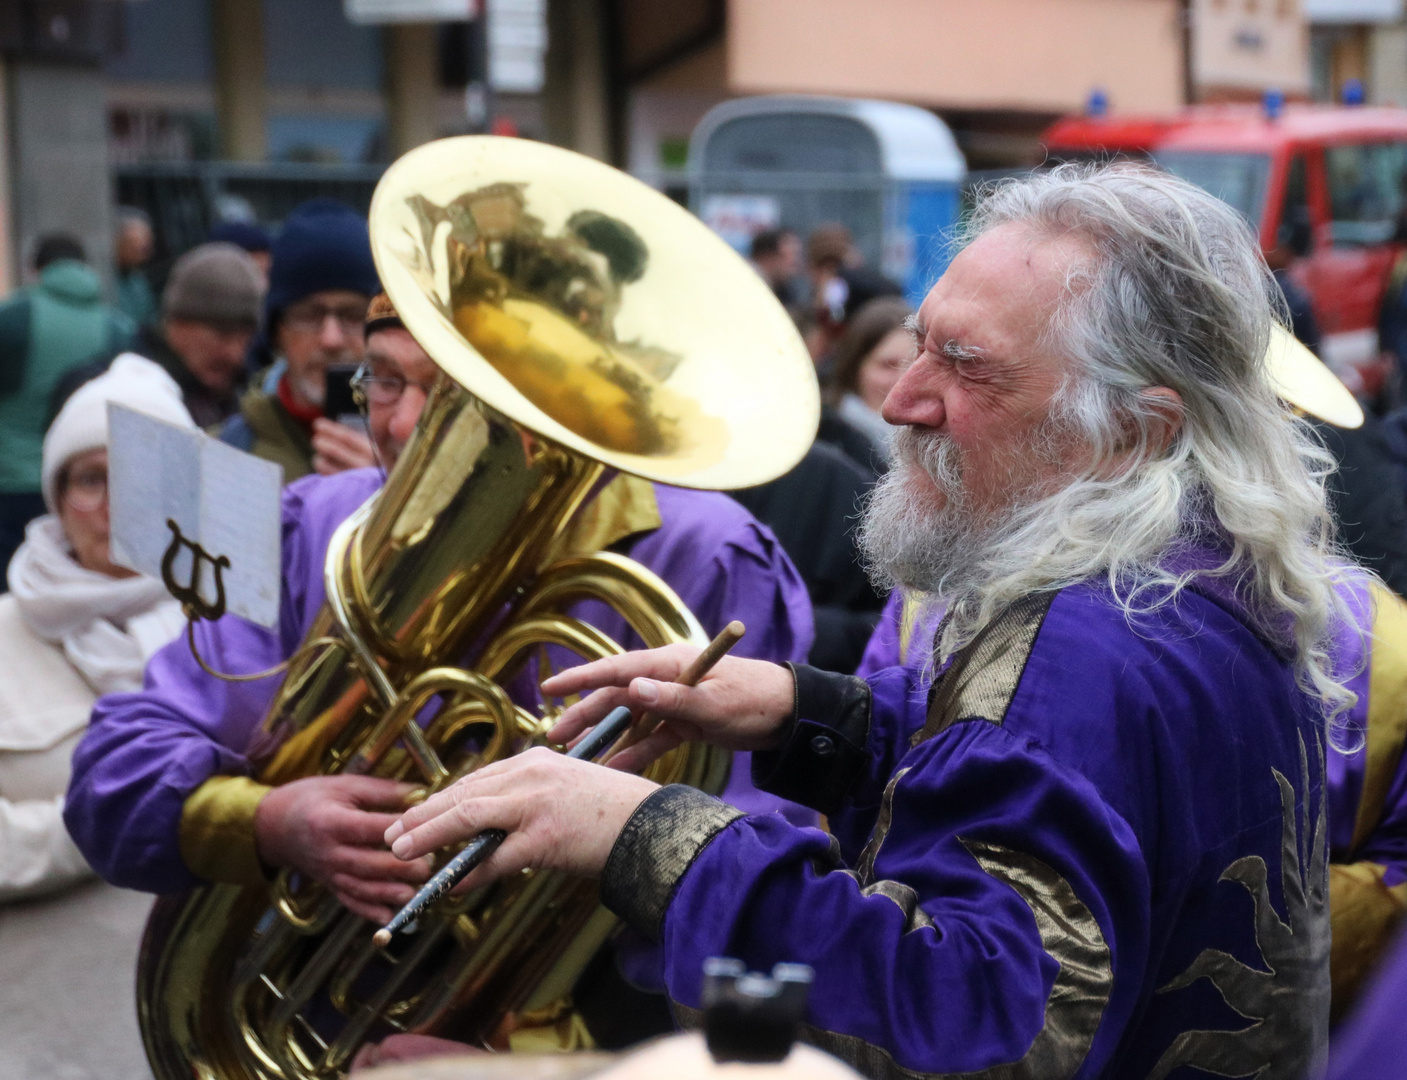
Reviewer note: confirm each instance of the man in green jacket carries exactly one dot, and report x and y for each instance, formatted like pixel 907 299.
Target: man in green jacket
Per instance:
pixel 57 323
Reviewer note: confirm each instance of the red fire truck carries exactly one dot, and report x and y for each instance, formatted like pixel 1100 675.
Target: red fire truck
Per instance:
pixel 1329 182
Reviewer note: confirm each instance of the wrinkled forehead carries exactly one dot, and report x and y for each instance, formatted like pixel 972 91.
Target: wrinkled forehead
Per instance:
pixel 1007 283
pixel 394 351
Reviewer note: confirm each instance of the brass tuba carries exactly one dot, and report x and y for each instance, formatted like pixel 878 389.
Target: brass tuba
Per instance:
pixel 586 324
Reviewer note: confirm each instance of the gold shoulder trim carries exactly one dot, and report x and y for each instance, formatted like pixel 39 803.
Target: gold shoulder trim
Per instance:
pixel 982 679
pixel 909 608
pixel 626 506
pixel 1364 916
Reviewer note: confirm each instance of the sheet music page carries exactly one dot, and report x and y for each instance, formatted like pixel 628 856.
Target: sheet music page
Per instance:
pixel 153 475
pixel 239 516
pixel 223 499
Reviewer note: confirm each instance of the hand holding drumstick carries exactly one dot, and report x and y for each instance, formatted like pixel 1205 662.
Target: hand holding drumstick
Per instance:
pixel 409 833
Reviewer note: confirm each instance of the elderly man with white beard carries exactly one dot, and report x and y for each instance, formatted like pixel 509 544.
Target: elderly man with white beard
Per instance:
pixel 1097 846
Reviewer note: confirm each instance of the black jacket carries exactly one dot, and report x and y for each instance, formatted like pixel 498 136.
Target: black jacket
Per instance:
pixel 813 510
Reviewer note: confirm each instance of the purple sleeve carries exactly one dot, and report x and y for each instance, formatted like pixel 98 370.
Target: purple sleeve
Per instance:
pixel 883 649
pixel 928 950
pixel 1386 845
pixel 145 752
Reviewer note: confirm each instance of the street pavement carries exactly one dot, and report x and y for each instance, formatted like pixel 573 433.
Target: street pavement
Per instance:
pixel 67 986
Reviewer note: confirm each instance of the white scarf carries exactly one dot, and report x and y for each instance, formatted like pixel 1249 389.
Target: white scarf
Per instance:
pixel 108 627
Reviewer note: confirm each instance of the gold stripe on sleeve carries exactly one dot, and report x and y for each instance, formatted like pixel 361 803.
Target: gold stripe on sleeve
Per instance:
pixel 217 830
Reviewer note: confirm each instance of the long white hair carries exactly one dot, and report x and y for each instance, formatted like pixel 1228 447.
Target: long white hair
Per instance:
pixel 1174 293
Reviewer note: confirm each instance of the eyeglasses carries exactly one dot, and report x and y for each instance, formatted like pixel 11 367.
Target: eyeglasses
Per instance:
pixel 86 491
pixel 385 390
pixel 310 320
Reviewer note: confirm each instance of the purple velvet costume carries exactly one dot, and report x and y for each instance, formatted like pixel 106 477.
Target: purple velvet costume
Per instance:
pixel 1095 850
pixel 899 641
pixel 145 752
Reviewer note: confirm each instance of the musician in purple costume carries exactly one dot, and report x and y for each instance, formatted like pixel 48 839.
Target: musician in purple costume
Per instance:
pixel 1366 777
pixel 161 798
pixel 1097 848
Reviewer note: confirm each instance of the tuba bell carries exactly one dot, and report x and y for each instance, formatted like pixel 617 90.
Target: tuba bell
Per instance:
pixel 584 325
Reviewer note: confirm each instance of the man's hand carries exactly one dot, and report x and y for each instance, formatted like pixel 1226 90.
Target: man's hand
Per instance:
pixel 329 828
pixel 409 1047
pixel 337 447
pixel 739 705
pixel 559 814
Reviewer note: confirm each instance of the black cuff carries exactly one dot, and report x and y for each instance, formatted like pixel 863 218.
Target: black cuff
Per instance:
pixel 658 844
pixel 824 752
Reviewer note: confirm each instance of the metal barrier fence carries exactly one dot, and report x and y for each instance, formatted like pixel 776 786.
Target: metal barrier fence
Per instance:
pixel 185 200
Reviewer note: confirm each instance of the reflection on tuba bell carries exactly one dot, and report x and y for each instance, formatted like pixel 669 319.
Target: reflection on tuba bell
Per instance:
pixel 586 324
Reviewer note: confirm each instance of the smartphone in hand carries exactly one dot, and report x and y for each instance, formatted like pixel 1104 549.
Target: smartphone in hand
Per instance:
pixel 341 403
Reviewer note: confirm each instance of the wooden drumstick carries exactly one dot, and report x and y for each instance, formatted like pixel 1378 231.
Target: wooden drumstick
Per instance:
pixel 716 649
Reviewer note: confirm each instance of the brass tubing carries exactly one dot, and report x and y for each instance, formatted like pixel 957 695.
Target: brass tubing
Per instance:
pixel 399 721
pixel 637 594
pixel 354 1034
pixel 280 1040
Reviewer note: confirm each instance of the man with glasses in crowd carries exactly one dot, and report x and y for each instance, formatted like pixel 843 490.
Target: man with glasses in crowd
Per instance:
pixel 320 283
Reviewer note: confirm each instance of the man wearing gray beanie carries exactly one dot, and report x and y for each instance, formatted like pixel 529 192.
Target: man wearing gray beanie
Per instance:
pixel 209 313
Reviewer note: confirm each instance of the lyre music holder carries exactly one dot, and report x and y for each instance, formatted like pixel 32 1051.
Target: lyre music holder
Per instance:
pixel 193 602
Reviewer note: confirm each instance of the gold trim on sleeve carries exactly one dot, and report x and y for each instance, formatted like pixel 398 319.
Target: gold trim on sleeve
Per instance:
pixel 217 831
pixel 1387 708
pixel 1364 914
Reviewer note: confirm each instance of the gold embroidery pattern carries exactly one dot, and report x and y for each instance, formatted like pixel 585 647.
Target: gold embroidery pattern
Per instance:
pixel 1288 1000
pixel 902 895
pixel 982 679
pixel 865 868
pixel 1071 936
pixel 658 844
pixel 979 684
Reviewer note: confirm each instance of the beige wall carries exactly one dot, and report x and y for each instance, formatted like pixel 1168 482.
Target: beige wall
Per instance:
pixel 1249 47
pixel 1387 73
pixel 1042 55
pixel 412 90
pixel 237 31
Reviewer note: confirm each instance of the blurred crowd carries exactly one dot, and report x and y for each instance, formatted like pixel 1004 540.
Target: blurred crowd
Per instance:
pixel 255 339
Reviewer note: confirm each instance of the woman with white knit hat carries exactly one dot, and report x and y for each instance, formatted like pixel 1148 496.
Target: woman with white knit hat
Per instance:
pixel 74 626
